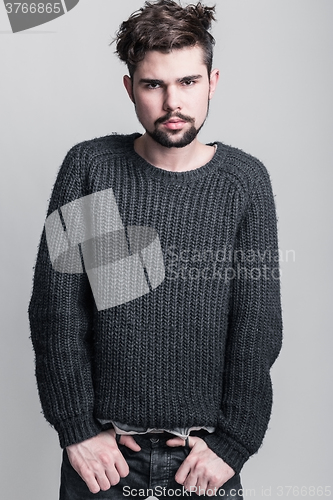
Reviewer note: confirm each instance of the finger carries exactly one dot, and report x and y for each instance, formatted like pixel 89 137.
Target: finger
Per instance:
pixel 85 471
pixel 202 487
pixel 183 471
pixel 130 442
pixel 103 481
pixel 177 441
pixel 93 486
pixel 113 476
pixel 105 472
pixel 114 465
pixel 212 489
pixel 121 465
pixel 191 482
pixel 90 479
pixel 112 432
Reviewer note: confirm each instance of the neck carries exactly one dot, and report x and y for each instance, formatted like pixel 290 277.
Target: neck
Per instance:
pixel 190 157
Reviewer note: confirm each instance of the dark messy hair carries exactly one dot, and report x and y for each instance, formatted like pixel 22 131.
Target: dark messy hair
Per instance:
pixel 165 25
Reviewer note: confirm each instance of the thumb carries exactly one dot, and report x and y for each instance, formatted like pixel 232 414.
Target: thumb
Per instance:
pixel 176 441
pixel 130 442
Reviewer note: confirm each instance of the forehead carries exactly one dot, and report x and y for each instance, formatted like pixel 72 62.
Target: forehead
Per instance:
pixel 173 65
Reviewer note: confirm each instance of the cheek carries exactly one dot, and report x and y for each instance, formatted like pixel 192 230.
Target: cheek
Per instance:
pixel 198 99
pixel 146 107
pixel 201 107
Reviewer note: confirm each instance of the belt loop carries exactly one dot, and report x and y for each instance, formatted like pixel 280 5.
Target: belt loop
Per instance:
pixel 187 442
pixel 118 436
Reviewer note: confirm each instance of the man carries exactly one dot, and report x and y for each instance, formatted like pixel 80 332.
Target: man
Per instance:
pixel 155 314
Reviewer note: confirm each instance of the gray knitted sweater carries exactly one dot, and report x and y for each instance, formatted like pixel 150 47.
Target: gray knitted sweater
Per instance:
pixel 188 343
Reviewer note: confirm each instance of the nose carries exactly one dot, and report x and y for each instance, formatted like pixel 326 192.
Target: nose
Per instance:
pixel 172 99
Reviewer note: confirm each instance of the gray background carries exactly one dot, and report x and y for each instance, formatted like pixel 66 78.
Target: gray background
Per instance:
pixel 60 84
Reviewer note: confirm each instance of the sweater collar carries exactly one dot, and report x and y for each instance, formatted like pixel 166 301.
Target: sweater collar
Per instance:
pixel 160 174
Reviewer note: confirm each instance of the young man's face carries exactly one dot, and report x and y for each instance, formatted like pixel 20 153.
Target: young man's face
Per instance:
pixel 171 93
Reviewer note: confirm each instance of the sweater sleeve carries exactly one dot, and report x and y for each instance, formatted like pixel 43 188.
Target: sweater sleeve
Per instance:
pixel 254 332
pixel 60 314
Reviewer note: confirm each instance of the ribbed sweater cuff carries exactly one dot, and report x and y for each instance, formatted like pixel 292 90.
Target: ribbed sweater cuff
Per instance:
pixel 233 453
pixel 77 429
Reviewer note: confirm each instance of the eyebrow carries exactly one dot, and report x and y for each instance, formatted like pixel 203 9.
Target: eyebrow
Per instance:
pixel 161 82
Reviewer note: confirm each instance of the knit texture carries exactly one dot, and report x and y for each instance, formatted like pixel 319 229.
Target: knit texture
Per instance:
pixel 196 350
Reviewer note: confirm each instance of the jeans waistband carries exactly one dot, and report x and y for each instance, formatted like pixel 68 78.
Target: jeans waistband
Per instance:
pixel 168 435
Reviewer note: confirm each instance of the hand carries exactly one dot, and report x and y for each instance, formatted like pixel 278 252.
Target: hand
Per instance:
pixel 202 470
pixel 99 461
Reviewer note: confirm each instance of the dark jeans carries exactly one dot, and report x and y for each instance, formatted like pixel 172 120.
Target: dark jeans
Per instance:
pixel 152 472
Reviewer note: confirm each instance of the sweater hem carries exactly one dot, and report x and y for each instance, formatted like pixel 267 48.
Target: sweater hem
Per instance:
pixel 227 449
pixel 72 432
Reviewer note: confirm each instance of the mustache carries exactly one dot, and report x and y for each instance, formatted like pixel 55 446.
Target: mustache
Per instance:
pixel 174 115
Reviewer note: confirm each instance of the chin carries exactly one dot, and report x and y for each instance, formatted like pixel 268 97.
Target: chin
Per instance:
pixel 169 140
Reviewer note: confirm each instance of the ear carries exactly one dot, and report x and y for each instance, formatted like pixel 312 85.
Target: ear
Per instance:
pixel 214 78
pixel 129 87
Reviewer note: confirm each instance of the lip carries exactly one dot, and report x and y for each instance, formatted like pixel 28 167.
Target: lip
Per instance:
pixel 174 124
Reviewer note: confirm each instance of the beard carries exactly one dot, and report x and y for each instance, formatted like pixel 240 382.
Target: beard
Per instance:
pixel 168 139
pixel 175 138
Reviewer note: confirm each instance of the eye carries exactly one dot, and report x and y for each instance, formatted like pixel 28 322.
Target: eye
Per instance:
pixel 188 83
pixel 152 86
